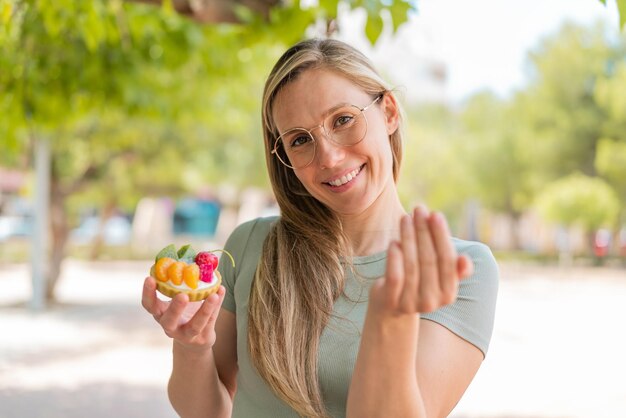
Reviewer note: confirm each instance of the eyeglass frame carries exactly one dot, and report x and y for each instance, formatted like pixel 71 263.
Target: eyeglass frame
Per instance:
pixel 309 131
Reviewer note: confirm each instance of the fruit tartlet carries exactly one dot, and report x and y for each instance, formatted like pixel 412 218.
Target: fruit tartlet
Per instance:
pixel 185 271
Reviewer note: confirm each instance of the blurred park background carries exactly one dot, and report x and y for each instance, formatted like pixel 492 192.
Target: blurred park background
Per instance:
pixel 129 125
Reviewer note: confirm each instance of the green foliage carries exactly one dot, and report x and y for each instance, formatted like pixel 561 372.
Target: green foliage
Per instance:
pixel 432 170
pixel 398 11
pixel 611 164
pixel 496 154
pixel 504 152
pixel 621 11
pixel 137 100
pixel 128 104
pixel 579 200
pixel 559 106
pixel 610 97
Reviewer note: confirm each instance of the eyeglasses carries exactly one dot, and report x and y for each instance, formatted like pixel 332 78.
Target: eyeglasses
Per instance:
pixel 345 126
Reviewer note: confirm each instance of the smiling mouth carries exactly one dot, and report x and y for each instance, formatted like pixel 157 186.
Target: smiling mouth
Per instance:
pixel 347 178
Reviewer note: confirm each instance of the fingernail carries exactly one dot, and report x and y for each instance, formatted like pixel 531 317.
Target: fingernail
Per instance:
pixel 421 211
pixel 440 219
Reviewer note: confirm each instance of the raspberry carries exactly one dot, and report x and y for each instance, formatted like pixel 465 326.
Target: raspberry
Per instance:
pixel 207 258
pixel 206 272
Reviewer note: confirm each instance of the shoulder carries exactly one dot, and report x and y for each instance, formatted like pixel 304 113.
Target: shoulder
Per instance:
pixel 254 229
pixel 245 245
pixel 485 264
pixel 472 315
pixel 473 248
pixel 246 240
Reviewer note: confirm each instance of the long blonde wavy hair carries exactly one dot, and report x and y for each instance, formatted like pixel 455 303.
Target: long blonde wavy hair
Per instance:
pixel 301 271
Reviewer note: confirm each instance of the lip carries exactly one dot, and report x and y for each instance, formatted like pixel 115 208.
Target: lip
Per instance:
pixel 343 173
pixel 347 186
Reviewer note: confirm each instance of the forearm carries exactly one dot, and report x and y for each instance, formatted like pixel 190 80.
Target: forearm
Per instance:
pixel 195 389
pixel 384 382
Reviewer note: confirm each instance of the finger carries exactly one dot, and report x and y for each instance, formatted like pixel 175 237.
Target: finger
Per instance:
pixel 446 258
pixel 464 266
pixel 206 315
pixel 410 264
pixel 429 290
pixel 394 275
pixel 170 320
pixel 149 299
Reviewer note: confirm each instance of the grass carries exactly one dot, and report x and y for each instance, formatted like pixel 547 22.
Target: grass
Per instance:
pixel 18 251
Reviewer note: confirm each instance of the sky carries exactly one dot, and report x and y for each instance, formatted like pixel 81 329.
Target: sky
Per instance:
pixel 480 44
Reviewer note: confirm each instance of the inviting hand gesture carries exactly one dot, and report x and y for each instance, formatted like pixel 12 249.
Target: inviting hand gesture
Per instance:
pixel 191 324
pixel 423 269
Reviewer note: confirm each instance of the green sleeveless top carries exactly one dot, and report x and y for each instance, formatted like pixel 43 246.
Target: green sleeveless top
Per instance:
pixel 470 317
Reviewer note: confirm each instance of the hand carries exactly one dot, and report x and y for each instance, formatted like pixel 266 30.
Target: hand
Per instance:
pixel 423 269
pixel 191 324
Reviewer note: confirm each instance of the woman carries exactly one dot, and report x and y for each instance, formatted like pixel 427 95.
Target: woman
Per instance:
pixel 345 305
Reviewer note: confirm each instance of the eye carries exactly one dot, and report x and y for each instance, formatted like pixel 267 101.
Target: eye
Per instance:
pixel 343 121
pixel 299 140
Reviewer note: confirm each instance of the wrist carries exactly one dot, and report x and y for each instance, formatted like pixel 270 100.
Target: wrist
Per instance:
pixel 196 351
pixel 399 334
pixel 393 325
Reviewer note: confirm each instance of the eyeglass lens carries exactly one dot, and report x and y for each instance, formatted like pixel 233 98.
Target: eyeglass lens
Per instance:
pixel 347 126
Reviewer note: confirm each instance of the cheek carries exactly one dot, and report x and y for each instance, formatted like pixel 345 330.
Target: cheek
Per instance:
pixel 383 148
pixel 306 179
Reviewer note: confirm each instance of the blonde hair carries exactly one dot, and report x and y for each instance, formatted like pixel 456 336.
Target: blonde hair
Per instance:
pixel 301 272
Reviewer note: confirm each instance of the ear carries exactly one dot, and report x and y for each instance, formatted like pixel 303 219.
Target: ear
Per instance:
pixel 391 112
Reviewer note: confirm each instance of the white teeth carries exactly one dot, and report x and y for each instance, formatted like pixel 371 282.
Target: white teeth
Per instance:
pixel 345 179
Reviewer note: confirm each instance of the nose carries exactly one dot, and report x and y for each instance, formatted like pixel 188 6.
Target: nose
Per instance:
pixel 328 153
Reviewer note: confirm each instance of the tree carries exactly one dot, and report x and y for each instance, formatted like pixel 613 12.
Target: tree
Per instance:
pixel 611 164
pixel 496 154
pixel 610 159
pixel 429 168
pixel 109 84
pixel 577 199
pixel 559 105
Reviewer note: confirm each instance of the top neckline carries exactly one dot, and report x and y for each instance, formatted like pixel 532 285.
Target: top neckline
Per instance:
pixel 368 259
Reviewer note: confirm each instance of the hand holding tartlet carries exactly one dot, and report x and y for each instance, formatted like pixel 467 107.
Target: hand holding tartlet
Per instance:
pixel 185 271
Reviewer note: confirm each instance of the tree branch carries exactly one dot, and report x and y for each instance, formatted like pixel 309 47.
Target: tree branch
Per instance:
pixel 216 11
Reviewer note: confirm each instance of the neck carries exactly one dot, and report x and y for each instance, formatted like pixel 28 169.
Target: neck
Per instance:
pixel 371 231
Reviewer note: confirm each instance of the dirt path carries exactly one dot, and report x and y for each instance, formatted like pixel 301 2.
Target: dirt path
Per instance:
pixel 557 350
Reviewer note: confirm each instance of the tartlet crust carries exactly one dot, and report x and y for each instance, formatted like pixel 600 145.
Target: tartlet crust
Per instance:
pixel 195 294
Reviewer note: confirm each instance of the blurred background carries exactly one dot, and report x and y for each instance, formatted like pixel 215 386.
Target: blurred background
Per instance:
pixel 129 125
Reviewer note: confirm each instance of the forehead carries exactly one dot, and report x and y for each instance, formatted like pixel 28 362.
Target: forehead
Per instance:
pixel 305 101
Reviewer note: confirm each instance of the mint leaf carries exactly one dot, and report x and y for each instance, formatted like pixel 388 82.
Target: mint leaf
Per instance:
pixel 187 254
pixel 169 251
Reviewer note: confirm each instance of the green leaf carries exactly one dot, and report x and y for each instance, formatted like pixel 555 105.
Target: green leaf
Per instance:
pixel 329 7
pixel 373 28
pixel 6 12
pixel 399 13
pixel 187 254
pixel 621 9
pixel 244 14
pixel 169 251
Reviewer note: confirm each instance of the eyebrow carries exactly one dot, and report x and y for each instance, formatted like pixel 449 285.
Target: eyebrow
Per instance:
pixel 325 114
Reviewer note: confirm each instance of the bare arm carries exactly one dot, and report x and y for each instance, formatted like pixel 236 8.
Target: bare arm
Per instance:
pixel 407 366
pixel 204 368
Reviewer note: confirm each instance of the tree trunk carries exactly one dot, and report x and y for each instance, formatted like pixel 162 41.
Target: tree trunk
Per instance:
pixel 515 232
pixel 98 242
pixel 59 227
